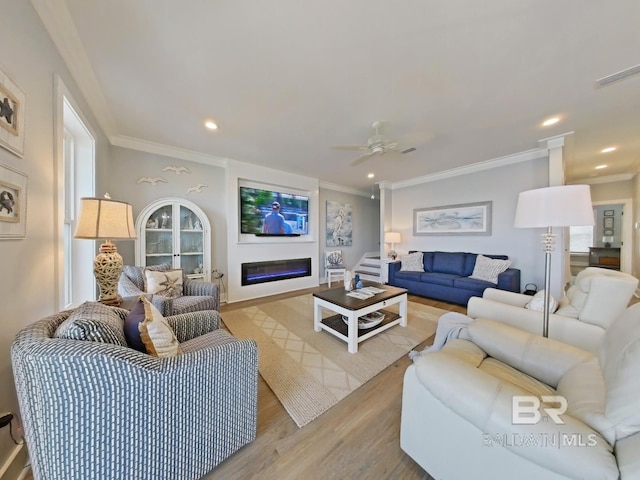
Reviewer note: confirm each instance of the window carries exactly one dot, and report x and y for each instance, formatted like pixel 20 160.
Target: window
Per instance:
pixel 76 179
pixel 580 239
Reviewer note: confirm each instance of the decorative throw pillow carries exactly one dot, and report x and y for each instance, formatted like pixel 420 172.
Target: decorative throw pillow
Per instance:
pixel 537 303
pixel 488 269
pixel 131 326
pixel 334 259
pixel 411 262
pixel 95 322
pixel 167 284
pixel 156 334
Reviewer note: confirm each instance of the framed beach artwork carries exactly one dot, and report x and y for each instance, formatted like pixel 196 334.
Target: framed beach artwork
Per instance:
pixel 339 231
pixel 462 219
pixel 12 103
pixel 13 203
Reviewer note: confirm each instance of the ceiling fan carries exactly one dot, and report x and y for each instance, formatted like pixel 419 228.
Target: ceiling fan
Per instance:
pixel 377 144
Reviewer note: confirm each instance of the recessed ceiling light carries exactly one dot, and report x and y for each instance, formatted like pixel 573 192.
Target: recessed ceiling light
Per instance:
pixel 600 167
pixel 608 150
pixel 550 121
pixel 371 175
pixel 211 125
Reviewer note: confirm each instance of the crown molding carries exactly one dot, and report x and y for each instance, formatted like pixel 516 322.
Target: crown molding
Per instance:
pixel 604 179
pixel 168 151
pixel 342 188
pixel 475 167
pixel 57 20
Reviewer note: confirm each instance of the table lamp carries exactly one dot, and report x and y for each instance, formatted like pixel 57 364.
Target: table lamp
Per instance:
pixel 560 206
pixel 392 238
pixel 103 218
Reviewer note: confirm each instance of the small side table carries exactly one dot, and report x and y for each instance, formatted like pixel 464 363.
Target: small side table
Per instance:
pixel 337 272
pixel 384 268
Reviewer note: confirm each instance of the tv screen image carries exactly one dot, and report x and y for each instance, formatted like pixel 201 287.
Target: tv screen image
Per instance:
pixel 273 213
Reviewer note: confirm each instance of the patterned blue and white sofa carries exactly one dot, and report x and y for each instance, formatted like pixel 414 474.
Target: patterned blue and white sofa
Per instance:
pixel 95 410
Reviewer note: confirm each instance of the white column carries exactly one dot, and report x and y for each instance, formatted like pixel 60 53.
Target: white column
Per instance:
pixel 560 258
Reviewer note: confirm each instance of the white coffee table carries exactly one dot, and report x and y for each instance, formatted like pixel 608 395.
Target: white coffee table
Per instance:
pixel 338 301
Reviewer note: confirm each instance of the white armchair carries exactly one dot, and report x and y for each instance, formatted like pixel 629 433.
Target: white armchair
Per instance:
pixel 596 299
pixel 460 413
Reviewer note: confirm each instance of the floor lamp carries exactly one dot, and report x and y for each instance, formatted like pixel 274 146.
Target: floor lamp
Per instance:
pixel 561 206
pixel 392 238
pixel 103 218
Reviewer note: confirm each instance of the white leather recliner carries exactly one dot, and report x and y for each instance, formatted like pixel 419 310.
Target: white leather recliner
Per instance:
pixel 597 297
pixel 463 416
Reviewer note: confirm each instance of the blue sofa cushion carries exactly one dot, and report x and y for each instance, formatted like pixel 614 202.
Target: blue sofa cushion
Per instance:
pixel 472 284
pixel 444 279
pixel 412 276
pixel 449 262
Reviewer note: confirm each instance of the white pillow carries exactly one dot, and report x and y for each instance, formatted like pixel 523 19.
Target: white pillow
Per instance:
pixel 167 284
pixel 488 269
pixel 412 262
pixel 537 303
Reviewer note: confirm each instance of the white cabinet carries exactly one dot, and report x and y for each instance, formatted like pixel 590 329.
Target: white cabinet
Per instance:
pixel 175 231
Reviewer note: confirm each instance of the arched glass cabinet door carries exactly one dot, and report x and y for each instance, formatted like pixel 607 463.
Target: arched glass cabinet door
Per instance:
pixel 175 231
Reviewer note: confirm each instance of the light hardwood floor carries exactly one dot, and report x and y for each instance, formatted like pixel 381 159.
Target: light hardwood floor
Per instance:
pixel 358 438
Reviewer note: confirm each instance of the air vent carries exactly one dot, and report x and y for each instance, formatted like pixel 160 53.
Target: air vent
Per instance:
pixel 408 150
pixel 617 77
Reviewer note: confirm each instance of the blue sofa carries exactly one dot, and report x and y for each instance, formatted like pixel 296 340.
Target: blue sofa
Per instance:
pixel 446 277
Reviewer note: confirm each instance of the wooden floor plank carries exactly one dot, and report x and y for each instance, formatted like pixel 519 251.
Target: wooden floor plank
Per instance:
pixel 357 438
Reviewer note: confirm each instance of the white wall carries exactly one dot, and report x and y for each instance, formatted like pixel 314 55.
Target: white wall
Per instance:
pixel 28 265
pixel 249 248
pixel 500 186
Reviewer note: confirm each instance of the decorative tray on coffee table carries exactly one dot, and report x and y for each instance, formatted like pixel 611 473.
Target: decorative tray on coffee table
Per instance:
pixel 369 320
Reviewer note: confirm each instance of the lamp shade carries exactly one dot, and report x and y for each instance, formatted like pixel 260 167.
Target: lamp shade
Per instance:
pixel 392 237
pixel 105 218
pixel 561 206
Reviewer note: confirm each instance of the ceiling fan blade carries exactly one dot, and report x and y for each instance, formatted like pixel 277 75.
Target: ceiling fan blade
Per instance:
pixel 390 146
pixel 350 147
pixel 361 159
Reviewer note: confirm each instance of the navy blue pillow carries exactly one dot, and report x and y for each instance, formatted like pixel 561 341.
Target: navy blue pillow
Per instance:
pixel 131 330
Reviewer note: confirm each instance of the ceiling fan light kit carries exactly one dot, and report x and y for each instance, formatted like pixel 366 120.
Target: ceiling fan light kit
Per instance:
pixel 377 144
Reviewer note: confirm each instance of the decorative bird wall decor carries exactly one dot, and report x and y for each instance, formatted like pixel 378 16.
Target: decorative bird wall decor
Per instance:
pixel 151 180
pixel 196 188
pixel 176 170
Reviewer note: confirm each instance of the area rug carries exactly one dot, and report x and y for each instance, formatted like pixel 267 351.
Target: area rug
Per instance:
pixel 311 371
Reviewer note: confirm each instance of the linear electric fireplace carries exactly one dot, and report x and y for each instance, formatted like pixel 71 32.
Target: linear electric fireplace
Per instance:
pixel 272 271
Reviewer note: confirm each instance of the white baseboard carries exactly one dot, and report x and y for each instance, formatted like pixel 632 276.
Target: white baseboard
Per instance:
pixel 14 466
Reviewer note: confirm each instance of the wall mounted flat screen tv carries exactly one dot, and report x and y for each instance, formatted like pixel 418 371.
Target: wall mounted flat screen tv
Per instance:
pixel 273 213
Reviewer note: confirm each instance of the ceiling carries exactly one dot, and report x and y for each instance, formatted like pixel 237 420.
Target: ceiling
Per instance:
pixel 287 80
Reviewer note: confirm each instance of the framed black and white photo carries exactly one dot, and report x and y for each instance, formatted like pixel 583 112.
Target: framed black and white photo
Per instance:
pixel 13 203
pixel 461 219
pixel 607 232
pixel 608 213
pixel 12 103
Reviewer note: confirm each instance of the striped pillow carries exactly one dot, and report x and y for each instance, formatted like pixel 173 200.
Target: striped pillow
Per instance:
pixel 95 322
pixel 488 269
pixel 156 334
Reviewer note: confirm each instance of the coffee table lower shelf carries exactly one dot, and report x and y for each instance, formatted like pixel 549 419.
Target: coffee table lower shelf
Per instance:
pixel 337 324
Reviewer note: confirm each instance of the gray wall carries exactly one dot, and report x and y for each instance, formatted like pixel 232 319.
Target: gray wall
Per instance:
pixel 366 226
pixel 500 186
pixel 127 166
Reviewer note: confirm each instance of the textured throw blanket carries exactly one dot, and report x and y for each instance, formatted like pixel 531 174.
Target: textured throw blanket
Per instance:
pixel 450 326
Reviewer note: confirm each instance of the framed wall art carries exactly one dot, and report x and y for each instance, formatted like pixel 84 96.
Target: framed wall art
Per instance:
pixel 608 213
pixel 462 219
pixel 13 203
pixel 608 222
pixel 12 109
pixel 339 230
